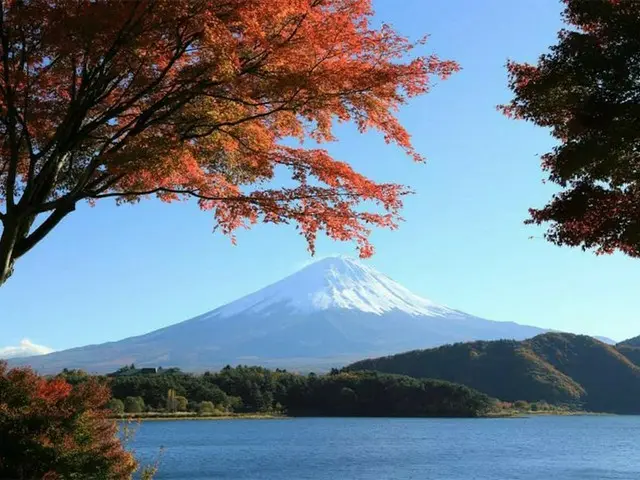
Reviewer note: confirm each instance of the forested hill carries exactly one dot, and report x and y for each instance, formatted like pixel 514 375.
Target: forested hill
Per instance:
pixel 558 368
pixel 632 342
pixel 258 390
pixel 631 349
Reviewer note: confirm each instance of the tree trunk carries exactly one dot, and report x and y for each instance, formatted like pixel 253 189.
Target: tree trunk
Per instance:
pixel 17 238
pixel 15 230
pixel 8 241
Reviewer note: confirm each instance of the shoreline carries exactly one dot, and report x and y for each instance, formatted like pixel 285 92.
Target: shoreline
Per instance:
pixel 549 413
pixel 164 416
pixel 255 416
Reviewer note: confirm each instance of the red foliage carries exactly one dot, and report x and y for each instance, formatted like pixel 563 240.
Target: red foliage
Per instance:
pixel 49 429
pixel 182 98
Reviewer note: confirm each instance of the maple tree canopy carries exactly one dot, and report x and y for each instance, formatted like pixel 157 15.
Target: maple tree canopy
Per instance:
pixel 587 91
pixel 193 98
pixel 53 431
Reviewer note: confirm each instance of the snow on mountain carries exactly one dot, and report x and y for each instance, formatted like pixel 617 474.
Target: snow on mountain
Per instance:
pixel 330 313
pixel 336 283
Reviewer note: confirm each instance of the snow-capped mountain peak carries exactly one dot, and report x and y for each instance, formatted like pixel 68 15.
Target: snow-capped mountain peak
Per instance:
pixel 335 283
pixel 330 313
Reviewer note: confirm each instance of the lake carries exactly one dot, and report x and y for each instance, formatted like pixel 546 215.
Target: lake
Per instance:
pixel 537 448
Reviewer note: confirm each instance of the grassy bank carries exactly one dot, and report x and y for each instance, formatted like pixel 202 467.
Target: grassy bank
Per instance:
pixel 522 412
pixel 531 413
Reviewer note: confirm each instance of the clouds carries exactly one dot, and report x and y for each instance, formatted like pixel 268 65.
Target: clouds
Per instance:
pixel 25 349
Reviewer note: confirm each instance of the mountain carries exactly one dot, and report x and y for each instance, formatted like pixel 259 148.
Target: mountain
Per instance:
pixel 328 314
pixel 559 368
pixel 606 340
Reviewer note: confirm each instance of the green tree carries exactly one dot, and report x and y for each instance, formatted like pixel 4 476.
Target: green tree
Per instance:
pixel 235 404
pixel 74 376
pixel 116 406
pixel 133 405
pixel 586 91
pixel 348 397
pixel 181 403
pixel 206 408
pixel 521 405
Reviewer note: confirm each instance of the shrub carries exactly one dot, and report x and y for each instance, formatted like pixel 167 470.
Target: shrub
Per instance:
pixel 181 404
pixel 521 405
pixel 116 406
pixel 206 408
pixel 49 429
pixel 133 405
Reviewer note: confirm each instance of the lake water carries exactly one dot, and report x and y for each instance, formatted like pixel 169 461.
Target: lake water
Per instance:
pixel 538 448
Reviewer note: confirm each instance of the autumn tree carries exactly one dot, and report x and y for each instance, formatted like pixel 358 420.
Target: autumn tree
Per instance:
pixel 49 429
pixel 172 402
pixel 586 90
pixel 193 98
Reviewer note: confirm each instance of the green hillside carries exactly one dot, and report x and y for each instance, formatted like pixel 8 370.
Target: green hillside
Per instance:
pixel 632 353
pixel 631 349
pixel 560 368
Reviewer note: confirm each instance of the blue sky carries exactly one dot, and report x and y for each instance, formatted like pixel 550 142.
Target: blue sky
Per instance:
pixel 110 272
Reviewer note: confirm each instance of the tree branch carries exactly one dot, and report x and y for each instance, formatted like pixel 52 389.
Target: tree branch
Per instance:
pixel 11 118
pixel 194 193
pixel 23 246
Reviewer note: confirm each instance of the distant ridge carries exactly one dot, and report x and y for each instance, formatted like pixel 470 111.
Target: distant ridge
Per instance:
pixel 559 368
pixel 630 348
pixel 631 342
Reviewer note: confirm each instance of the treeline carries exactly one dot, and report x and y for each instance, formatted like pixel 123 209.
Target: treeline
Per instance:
pixel 259 390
